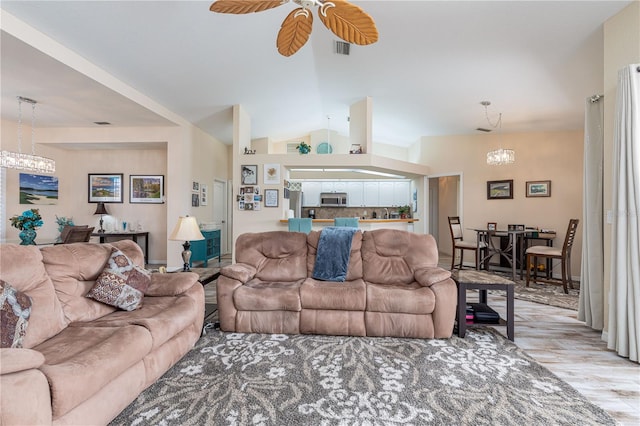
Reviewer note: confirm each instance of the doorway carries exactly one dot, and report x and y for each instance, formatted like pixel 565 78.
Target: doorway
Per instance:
pixel 220 218
pixel 445 199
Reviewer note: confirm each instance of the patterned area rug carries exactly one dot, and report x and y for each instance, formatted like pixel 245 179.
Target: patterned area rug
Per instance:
pixel 242 379
pixel 546 294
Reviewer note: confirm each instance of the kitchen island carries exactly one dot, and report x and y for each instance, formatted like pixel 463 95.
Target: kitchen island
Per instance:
pixel 367 224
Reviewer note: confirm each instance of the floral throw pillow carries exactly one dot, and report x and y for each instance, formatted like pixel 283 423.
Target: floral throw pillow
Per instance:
pixel 122 283
pixel 15 310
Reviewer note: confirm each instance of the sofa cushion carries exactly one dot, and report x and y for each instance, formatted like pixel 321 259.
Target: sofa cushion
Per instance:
pixel 22 267
pixel 257 295
pixel 331 295
pixel 400 298
pixel 390 256
pixel 354 270
pixel 15 309
pixel 277 255
pixel 122 283
pixel 82 360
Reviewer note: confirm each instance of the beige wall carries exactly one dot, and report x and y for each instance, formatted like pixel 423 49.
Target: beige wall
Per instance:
pixel 555 156
pixel 621 47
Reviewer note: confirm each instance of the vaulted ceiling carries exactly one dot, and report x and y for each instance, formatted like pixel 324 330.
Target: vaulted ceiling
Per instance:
pixel 435 61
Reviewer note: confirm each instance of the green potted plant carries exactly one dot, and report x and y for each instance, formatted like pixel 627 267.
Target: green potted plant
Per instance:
pixel 27 223
pixel 404 211
pixel 303 148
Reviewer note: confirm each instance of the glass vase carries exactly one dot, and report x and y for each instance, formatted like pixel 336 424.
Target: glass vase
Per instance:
pixel 28 237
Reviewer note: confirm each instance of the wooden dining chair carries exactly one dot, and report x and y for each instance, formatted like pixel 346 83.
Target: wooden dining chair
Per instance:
pixel 75 234
pixel 457 242
pixel 563 254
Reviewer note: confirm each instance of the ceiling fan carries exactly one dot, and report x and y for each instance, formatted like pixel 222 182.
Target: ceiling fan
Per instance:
pixel 346 20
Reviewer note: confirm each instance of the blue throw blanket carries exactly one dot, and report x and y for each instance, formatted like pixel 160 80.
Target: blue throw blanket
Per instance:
pixel 332 259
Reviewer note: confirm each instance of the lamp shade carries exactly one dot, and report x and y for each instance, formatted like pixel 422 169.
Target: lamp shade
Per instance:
pixel 186 230
pixel 101 209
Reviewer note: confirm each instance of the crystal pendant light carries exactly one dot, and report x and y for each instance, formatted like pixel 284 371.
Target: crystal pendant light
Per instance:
pixel 501 156
pixel 28 162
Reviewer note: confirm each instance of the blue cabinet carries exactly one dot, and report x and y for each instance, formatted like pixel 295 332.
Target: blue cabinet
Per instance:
pixel 206 249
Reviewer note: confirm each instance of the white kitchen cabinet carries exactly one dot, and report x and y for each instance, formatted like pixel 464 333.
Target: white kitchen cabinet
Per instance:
pixel 370 194
pixel 402 193
pixel 385 194
pixel 327 186
pixel 311 193
pixel 354 194
pixel 340 186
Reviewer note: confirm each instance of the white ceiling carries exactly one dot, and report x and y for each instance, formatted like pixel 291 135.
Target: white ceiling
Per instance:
pixel 536 61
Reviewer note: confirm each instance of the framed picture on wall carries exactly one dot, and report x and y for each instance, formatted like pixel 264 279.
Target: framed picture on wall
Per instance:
pixel 539 188
pixel 105 187
pixel 271 198
pixel 249 175
pixel 499 189
pixel 204 195
pixel 195 200
pixel 146 189
pixel 271 174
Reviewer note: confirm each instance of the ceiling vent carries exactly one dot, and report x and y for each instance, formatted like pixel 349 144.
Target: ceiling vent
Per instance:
pixel 341 48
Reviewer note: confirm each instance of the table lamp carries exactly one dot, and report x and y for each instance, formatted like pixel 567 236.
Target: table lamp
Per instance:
pixel 186 230
pixel 101 209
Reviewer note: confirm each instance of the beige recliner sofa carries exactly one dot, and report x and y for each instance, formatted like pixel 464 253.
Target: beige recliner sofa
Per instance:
pixel 83 361
pixel 393 287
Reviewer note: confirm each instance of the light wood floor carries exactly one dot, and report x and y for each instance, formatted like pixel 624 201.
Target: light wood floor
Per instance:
pixel 574 352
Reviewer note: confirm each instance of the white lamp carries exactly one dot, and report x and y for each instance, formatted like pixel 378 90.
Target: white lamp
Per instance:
pixel 186 230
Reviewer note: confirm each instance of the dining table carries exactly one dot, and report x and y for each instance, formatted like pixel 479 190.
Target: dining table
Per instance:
pixel 509 253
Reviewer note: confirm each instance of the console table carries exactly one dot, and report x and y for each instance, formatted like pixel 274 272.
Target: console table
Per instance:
pixel 206 249
pixel 126 236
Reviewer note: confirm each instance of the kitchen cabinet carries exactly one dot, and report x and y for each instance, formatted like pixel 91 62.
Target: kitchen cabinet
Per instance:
pixel 394 194
pixel 311 193
pixel 385 194
pixel 331 186
pixel 355 196
pixel 370 194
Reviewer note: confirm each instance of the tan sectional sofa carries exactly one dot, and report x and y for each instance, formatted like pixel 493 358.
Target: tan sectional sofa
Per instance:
pixel 82 361
pixel 393 287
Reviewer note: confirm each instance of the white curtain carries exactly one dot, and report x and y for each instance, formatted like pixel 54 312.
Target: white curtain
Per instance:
pixel 591 304
pixel 624 312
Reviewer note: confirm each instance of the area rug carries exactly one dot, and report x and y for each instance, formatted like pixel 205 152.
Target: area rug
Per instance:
pixel 546 294
pixel 246 379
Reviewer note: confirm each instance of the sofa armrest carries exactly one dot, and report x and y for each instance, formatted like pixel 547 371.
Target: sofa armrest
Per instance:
pixel 14 359
pixel 171 284
pixel 426 277
pixel 239 271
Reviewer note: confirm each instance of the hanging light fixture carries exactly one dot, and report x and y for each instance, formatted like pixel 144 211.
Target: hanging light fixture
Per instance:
pixel 501 156
pixel 29 162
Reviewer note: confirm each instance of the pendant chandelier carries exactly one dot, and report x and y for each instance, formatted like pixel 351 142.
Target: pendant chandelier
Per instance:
pixel 28 162
pixel 501 156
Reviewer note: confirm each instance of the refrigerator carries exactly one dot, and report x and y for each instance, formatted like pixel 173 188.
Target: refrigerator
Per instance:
pixel 295 203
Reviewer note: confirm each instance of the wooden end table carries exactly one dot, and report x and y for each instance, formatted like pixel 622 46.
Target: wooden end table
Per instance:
pixel 206 276
pixel 482 281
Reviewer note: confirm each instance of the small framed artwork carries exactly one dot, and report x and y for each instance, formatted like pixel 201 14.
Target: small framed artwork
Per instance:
pixel 249 176
pixel 105 187
pixel 195 187
pixel 271 198
pixel 195 200
pixel 499 189
pixel 204 195
pixel 539 188
pixel 146 189
pixel 492 226
pixel 272 174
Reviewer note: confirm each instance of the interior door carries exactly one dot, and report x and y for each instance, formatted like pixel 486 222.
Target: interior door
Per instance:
pixel 220 212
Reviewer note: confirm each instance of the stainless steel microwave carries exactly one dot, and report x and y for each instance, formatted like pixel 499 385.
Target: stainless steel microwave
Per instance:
pixel 333 199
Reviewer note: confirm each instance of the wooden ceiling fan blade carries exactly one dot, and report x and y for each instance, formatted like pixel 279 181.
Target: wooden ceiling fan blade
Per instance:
pixel 349 22
pixel 244 6
pixel 295 31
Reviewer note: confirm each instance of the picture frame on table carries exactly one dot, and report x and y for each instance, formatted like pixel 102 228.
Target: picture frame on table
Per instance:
pixel 271 198
pixel 538 188
pixel 249 175
pixel 492 226
pixel 105 187
pixel 146 189
pixel 500 189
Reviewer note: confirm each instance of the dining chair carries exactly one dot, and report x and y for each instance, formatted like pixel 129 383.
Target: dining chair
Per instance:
pixel 457 242
pixel 300 224
pixel 75 234
pixel 563 254
pixel 351 222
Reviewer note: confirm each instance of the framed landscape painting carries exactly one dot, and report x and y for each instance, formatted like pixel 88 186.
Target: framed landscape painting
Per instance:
pixel 146 189
pixel 105 187
pixel 499 189
pixel 539 188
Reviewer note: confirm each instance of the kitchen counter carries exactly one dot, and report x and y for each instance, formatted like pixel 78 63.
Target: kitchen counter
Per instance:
pixel 367 224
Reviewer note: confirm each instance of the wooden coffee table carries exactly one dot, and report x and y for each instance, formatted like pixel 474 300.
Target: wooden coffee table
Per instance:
pixel 482 281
